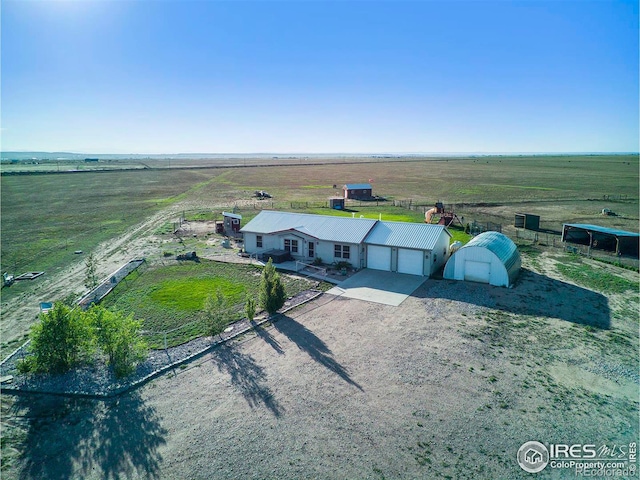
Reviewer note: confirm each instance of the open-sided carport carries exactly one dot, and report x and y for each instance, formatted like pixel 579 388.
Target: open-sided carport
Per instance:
pixel 620 242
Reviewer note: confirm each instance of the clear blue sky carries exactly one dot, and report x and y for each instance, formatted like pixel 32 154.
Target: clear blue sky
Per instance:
pixel 169 76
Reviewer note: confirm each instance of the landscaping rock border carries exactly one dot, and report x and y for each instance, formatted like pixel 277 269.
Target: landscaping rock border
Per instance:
pixel 99 381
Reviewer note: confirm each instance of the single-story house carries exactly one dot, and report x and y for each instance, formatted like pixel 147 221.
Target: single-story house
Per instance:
pixel 490 257
pixel 358 191
pixel 414 248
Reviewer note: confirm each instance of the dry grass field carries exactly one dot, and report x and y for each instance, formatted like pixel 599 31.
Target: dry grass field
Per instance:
pixel 448 385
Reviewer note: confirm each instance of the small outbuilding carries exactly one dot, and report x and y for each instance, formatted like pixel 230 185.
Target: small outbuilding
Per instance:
pixel 337 203
pixel 527 221
pixel 490 257
pixel 358 191
pixel 231 222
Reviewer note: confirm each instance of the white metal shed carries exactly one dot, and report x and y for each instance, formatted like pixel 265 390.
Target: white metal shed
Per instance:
pixel 491 258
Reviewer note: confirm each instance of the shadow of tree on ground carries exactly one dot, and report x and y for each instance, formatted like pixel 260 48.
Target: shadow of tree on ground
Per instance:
pixel 247 376
pixel 74 438
pixel 264 334
pixel 533 294
pixel 308 342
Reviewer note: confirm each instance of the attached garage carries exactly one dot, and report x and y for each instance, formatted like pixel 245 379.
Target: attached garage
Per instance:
pixel 410 261
pixel 410 248
pixel 491 258
pixel 379 257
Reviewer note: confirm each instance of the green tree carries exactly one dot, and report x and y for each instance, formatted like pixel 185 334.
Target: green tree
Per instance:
pixel 216 311
pixel 272 292
pixel 250 307
pixel 118 336
pixel 91 276
pixel 62 339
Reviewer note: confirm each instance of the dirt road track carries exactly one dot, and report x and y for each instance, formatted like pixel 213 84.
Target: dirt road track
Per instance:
pixel 20 312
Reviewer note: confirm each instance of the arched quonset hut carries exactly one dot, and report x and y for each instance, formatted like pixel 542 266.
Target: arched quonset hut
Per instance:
pixel 491 257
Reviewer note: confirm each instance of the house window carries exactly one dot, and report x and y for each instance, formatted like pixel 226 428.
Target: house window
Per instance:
pixel 291 245
pixel 341 251
pixel 259 241
pixel 312 249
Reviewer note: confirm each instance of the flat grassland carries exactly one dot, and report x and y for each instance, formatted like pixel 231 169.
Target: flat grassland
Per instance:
pixel 45 218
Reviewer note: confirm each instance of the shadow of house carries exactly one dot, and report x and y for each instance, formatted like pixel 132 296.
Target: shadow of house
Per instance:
pixel 247 376
pixel 312 345
pixel 73 438
pixel 533 294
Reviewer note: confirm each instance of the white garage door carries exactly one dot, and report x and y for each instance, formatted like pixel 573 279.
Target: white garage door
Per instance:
pixel 379 258
pixel 477 271
pixel 410 261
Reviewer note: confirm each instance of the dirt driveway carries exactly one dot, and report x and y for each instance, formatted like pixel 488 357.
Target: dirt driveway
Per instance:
pixel 443 386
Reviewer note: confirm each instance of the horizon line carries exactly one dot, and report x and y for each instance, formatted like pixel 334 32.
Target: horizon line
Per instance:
pixel 615 152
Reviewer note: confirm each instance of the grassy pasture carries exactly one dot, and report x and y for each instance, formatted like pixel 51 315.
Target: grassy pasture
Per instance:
pixel 170 296
pixel 485 179
pixel 46 217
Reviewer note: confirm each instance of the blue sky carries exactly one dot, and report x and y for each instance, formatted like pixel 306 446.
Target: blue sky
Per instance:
pixel 169 76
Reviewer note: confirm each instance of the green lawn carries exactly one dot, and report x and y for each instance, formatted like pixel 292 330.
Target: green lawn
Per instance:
pixel 170 297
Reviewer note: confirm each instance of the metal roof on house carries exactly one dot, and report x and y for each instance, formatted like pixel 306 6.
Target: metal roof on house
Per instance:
pixel 358 186
pixel 232 215
pixel 503 248
pixel 322 227
pixel 419 236
pixel 599 229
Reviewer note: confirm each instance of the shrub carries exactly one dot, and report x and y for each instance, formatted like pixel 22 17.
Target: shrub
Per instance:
pixel 216 310
pixel 272 292
pixel 66 337
pixel 250 307
pixel 62 339
pixel 118 336
pixel 342 264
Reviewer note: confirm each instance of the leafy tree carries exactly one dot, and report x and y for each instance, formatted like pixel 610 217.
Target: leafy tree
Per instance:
pixel 91 276
pixel 62 339
pixel 66 337
pixel 216 311
pixel 118 336
pixel 250 307
pixel 272 292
